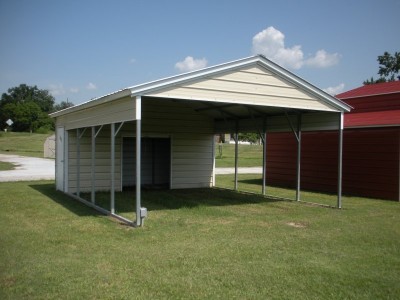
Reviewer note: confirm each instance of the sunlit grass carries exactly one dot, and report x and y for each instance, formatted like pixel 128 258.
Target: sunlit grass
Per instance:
pixel 22 143
pixel 201 243
pixel 249 155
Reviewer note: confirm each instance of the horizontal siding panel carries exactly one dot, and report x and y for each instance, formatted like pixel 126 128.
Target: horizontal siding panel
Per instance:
pixel 370 161
pixel 191 167
pixel 192 180
pixel 255 70
pixel 187 174
pixel 249 87
pixel 113 112
pixel 188 158
pixel 254 78
pixel 191 185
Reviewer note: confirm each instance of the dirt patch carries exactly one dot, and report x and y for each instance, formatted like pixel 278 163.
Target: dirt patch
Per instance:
pixel 296 224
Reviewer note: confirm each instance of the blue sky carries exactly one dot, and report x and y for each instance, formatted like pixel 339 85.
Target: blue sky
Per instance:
pixel 85 49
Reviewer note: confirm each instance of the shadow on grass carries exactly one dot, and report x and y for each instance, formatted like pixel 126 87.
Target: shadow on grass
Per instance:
pixel 153 199
pixel 49 190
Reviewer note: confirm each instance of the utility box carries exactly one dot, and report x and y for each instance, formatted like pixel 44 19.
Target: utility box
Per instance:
pixel 143 212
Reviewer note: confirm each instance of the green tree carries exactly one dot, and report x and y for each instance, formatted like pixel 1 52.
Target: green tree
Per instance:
pixel 62 105
pixel 249 137
pixel 389 69
pixel 28 107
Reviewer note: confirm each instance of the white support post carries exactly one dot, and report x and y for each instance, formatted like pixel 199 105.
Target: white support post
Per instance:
pixel 298 157
pixel 264 160
pixel 213 161
pixel 112 204
pixel 138 159
pixel 78 163
pixel 93 165
pixel 340 161
pixel 236 156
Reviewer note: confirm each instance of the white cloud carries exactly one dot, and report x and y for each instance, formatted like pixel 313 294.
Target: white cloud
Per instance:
pixel 323 59
pixel 74 90
pixel 56 89
pixel 334 90
pixel 91 86
pixel 191 64
pixel 132 61
pixel 271 43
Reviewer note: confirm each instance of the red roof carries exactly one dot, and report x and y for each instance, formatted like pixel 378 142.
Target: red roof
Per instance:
pixel 371 90
pixel 372 119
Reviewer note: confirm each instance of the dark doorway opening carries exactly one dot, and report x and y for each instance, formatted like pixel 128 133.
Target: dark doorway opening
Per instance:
pixel 155 165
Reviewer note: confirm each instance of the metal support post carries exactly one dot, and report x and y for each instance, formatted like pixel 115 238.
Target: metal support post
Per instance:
pixel 236 156
pixel 340 161
pixel 93 165
pixel 112 204
pixel 138 159
pixel 298 157
pixel 78 163
pixel 264 162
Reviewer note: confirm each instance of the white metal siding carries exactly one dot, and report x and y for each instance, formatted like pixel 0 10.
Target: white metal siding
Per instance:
pixel 110 112
pixel 103 161
pixel 191 140
pixel 253 86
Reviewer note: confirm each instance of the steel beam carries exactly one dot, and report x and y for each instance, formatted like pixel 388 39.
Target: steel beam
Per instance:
pixel 78 163
pixel 298 157
pixel 264 162
pixel 236 155
pixel 112 202
pixel 138 158
pixel 93 166
pixel 340 161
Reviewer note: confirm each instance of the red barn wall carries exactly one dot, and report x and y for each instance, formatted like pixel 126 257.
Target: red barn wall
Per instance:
pixel 370 161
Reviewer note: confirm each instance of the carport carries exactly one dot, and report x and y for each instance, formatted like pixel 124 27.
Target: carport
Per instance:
pixel 169 125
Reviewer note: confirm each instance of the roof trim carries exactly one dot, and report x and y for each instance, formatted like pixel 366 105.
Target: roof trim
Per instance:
pixel 365 96
pixel 93 102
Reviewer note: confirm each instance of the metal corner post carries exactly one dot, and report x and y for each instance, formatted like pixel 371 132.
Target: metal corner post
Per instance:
pixel 264 160
pixel 340 160
pixel 112 204
pixel 138 158
pixel 236 155
pixel 298 179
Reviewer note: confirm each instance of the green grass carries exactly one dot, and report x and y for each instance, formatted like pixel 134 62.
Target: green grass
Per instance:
pixel 196 244
pixel 252 183
pixel 22 143
pixel 249 155
pixel 6 166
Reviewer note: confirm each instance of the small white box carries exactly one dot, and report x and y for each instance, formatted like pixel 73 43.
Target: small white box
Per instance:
pixel 143 212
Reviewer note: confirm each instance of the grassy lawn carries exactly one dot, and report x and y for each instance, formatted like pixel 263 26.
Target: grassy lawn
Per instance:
pixel 22 143
pixel 6 166
pixel 249 155
pixel 202 243
pixel 252 183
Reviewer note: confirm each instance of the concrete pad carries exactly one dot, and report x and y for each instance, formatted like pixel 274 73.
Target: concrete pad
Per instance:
pixel 28 168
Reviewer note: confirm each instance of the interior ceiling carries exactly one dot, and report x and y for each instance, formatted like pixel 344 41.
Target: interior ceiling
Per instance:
pixel 233 111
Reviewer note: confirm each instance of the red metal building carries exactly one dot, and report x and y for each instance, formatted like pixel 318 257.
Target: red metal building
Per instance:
pixel 371 148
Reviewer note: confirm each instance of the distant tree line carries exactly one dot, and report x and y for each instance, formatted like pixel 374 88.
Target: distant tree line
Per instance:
pixel 28 107
pixel 389 69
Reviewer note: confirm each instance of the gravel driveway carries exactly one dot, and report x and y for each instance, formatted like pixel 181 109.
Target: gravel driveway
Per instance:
pixel 33 168
pixel 28 168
